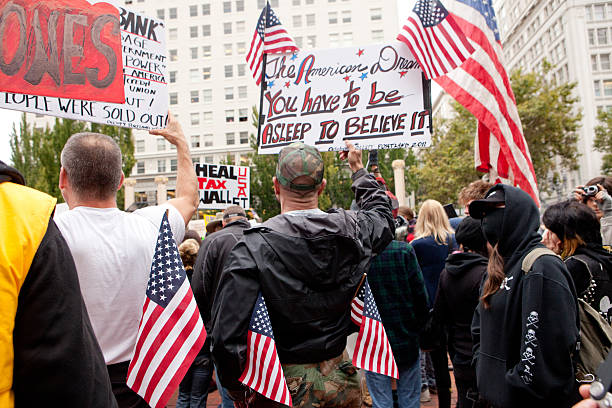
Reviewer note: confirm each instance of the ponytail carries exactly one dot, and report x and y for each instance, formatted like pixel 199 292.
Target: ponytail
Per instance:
pixel 495 276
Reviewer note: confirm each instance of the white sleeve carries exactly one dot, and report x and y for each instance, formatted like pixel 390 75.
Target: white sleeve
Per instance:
pixel 155 214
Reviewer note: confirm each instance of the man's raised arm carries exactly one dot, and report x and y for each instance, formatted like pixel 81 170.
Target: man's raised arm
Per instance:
pixel 186 201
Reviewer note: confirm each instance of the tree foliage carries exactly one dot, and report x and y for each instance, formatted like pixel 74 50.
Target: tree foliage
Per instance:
pixel 603 139
pixel 550 120
pixel 36 153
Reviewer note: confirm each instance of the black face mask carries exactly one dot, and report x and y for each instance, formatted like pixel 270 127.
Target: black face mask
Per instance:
pixel 492 225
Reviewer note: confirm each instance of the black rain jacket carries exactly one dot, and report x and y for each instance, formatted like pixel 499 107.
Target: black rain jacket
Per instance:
pixel 524 343
pixel 308 268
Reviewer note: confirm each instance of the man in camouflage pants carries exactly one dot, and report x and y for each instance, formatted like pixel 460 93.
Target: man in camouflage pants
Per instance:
pixel 307 264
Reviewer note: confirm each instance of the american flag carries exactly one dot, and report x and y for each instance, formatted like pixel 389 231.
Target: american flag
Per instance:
pixel 482 86
pixel 171 332
pixel 434 38
pixel 269 37
pixel 263 371
pixel 372 350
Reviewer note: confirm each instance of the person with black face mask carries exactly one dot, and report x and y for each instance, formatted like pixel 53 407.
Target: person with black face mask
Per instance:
pixel 525 328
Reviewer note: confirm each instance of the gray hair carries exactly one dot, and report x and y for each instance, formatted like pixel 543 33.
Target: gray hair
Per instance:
pixel 92 162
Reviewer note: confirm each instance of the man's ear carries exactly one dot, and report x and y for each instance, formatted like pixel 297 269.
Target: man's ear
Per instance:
pixel 63 179
pixel 121 181
pixel 276 185
pixel 321 187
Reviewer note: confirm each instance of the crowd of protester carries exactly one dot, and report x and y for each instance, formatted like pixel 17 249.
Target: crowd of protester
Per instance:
pixel 501 291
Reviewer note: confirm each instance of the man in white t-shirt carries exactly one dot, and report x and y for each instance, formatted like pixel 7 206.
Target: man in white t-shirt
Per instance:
pixel 113 249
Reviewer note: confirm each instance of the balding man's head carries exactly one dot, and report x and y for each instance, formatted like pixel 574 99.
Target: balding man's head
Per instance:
pixel 92 163
pixel 233 213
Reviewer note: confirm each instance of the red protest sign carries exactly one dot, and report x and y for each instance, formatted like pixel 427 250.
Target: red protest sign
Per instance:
pixel 65 48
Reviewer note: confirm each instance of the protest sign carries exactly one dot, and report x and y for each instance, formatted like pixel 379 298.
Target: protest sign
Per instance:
pixel 221 186
pixel 65 48
pixel 375 96
pixel 143 80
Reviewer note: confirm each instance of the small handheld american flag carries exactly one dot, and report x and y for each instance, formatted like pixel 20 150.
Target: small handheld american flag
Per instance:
pixel 270 37
pixel 171 332
pixel 435 39
pixel 263 371
pixel 372 350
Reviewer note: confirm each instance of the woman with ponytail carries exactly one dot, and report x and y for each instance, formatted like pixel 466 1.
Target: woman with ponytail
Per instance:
pixel 525 328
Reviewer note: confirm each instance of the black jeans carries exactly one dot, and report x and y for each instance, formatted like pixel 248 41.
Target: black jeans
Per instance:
pixel 439 359
pixel 126 398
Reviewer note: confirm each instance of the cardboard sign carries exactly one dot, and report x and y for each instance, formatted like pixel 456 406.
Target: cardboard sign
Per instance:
pixel 65 48
pixel 143 80
pixel 221 186
pixel 374 96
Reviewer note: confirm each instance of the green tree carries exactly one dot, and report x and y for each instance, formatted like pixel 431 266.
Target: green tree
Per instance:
pixel 603 139
pixel 550 119
pixel 36 154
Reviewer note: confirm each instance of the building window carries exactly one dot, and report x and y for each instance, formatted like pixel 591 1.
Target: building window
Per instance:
pixel 346 16
pixel 295 2
pixel 209 159
pixel 604 61
pixel 241 68
pixel 602 36
pixel 334 40
pixel 206 51
pixel 161 14
pixel 309 2
pixel 208 140
pixel 229 93
pixel 594 63
pixel 333 17
pixel 206 73
pixel 140 167
pixel 173 97
pixel 597 87
pixel 161 144
pixel 227 49
pixel 173 54
pixel 239 5
pixel 311 41
pixel 193 75
pixel 227 28
pixel 376 14
pixel 227 6
pixel 207 95
pixel 599 12
pixel 298 41
pixel 206 30
pixel 230 138
pixel 161 166
pixel 193 51
pixel 242 92
pixel 207 118
pixel 347 38
pixel 607 86
pixel 243 115
pixel 172 76
pixel 229 71
pixel 195 141
pixel 310 20
pixel 240 48
pixel 172 34
pixel 195 118
pixel 206 9
pixel 195 160
pixel 140 146
pixel 244 137
pixel 591 37
pixel 193 32
pixel 194 96
pixel 172 13
pixel 193 11
pixel 377 35
pixel 240 26
pixel 297 21
pixel 173 164
pixel 229 116
pixel 261 4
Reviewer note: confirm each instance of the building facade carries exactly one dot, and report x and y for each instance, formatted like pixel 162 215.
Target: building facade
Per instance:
pixel 576 37
pixel 211 89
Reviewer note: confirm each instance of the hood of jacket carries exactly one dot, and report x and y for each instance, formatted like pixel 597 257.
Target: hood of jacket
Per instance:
pixel 596 252
pixel 520 224
pixel 461 262
pixel 8 173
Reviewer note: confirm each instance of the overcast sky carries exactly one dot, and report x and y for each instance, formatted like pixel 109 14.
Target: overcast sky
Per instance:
pixel 8 117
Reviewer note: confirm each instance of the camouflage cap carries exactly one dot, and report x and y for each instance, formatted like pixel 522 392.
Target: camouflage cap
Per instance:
pixel 297 160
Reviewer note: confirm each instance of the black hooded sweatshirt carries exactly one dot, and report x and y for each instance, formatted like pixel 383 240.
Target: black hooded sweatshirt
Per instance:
pixel 524 342
pixel 456 300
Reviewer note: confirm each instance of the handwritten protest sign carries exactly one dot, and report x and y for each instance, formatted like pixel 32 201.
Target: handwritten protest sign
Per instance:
pixel 221 186
pixel 143 80
pixel 66 48
pixel 374 96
